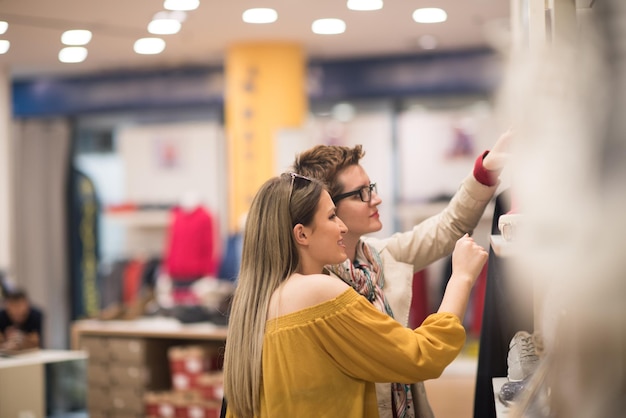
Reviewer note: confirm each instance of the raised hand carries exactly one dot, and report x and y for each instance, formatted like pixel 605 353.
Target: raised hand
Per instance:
pixel 468 259
pixel 499 154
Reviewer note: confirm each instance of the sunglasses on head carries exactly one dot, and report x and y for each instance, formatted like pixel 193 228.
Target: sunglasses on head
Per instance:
pixel 295 177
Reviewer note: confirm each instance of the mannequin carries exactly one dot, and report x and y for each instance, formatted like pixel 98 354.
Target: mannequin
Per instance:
pixel 189 201
pixel 191 250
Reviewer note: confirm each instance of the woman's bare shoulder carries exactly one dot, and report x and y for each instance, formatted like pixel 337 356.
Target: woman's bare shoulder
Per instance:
pixel 322 285
pixel 303 291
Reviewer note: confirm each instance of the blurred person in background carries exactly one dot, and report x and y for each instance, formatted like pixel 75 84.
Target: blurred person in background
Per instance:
pixel 20 322
pixel 569 106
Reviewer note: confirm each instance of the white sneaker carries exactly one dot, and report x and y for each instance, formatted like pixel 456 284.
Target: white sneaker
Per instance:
pixel 522 359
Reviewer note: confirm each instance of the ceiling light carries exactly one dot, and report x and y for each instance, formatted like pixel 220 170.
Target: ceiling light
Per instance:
pixel 3 26
pixel 73 54
pixel 343 112
pixel 427 42
pixel 365 4
pixel 76 37
pixel 260 15
pixel 182 5
pixel 149 46
pixel 430 15
pixel 4 46
pixel 170 14
pixel 164 26
pixel 178 15
pixel 328 26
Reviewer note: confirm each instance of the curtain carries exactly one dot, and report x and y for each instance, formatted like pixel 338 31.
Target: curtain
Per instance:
pixel 41 153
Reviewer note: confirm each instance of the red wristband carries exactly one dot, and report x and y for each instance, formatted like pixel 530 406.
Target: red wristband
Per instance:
pixel 481 174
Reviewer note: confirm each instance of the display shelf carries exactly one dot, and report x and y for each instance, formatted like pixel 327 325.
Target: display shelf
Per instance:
pixel 502 247
pixel 502 410
pixel 141 218
pixel 167 328
pixel 123 354
pixel 41 357
pixel 30 383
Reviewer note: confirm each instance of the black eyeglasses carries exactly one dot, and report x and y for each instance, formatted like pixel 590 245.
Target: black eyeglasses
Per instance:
pixel 295 176
pixel 365 193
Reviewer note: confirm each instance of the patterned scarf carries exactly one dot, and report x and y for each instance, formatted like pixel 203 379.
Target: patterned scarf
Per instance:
pixel 366 276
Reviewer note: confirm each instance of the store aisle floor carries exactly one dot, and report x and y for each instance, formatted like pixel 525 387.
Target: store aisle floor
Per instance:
pixel 452 395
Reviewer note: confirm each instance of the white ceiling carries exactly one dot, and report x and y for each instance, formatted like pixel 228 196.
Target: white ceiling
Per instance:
pixel 35 28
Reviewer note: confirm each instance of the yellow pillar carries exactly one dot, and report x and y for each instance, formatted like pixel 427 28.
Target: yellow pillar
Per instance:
pixel 265 91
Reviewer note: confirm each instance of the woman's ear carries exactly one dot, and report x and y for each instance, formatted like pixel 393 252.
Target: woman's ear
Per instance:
pixel 300 234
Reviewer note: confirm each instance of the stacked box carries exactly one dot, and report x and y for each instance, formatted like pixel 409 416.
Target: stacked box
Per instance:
pixel 197 385
pixel 180 404
pixel 119 373
pixel 188 363
pixel 210 386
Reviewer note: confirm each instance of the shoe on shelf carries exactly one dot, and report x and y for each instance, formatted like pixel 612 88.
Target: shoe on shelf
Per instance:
pixel 510 391
pixel 522 359
pixel 509 225
pixel 538 341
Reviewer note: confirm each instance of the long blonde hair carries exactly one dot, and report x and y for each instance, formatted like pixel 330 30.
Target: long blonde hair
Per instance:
pixel 269 257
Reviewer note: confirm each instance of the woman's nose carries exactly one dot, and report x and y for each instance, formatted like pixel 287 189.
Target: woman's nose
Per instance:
pixel 342 226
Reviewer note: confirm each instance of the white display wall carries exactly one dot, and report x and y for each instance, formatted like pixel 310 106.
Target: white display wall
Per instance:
pixel 437 148
pixel 156 164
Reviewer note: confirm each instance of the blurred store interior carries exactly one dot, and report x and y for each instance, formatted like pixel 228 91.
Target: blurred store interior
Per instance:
pixel 97 151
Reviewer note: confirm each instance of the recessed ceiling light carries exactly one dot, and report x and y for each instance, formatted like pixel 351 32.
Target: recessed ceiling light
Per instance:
pixel 430 15
pixel 343 112
pixel 427 42
pixel 3 26
pixel 76 37
pixel 365 4
pixel 73 54
pixel 260 15
pixel 178 15
pixel 328 26
pixel 4 46
pixel 164 26
pixel 171 14
pixel 149 46
pixel 182 5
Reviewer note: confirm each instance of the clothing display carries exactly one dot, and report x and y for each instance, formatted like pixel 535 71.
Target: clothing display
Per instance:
pixel 229 266
pixel 133 273
pixel 191 249
pixel 125 282
pixel 338 345
pixel 112 279
pixel 83 217
pixel 420 307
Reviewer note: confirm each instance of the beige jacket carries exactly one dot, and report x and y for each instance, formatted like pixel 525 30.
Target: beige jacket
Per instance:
pixel 405 253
